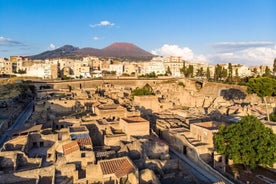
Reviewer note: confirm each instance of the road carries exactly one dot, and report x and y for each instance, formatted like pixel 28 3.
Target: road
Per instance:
pixel 199 173
pixel 18 123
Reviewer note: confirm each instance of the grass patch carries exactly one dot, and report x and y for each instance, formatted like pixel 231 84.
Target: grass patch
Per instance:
pixel 8 91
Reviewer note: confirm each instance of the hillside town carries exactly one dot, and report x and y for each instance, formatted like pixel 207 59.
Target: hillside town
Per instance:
pixel 104 120
pixel 97 67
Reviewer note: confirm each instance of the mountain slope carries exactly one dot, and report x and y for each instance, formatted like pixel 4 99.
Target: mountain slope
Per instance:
pixel 64 51
pixel 119 50
pixel 88 52
pixel 124 49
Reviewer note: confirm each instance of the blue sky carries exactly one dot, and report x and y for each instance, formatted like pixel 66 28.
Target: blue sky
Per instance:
pixel 216 31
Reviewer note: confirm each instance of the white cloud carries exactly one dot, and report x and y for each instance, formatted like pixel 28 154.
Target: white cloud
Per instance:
pixel 102 23
pixel 174 50
pixel 96 38
pixel 9 42
pixel 247 53
pixel 52 46
pixel 2 39
pixel 241 45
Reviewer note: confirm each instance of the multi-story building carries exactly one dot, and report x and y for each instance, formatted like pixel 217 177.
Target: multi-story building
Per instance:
pixel 130 68
pixel 118 68
pixel 81 68
pixel 52 68
pixel 105 65
pixel 212 70
pixel 242 71
pixel 134 126
pixel 5 66
pixel 174 64
pixel 94 62
pixel 157 67
pixel 66 63
pixel 17 63
pixel 197 66
pixel 38 70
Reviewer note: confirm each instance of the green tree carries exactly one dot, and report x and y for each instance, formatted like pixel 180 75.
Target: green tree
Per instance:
pixel 263 87
pixel 168 72
pixel 230 72
pixel 274 67
pixel 200 72
pixel 26 90
pixel 113 72
pixel 148 75
pixel 236 72
pixel 218 72
pixel 272 116
pixel 151 75
pixel 237 78
pixel 21 71
pixel 208 74
pixel 181 84
pixel 65 77
pixel 190 71
pixel 183 69
pixel 248 142
pixel 267 72
pixel 146 90
pixel 23 90
pixel 224 73
pixel 69 88
pixel 255 71
pixel 10 88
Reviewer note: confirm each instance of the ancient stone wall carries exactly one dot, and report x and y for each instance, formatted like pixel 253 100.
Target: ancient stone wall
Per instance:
pixel 114 140
pixel 208 95
pixel 135 129
pixel 149 102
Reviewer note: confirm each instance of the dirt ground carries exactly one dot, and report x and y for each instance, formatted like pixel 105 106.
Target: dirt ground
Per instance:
pixel 259 176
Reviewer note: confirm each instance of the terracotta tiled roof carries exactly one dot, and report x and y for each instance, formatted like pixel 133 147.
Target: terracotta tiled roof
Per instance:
pixel 84 141
pixel 70 147
pixel 125 168
pixel 119 167
pixel 134 119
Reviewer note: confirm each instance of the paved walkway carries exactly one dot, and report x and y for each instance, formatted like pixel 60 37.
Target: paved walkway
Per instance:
pixel 195 170
pixel 19 122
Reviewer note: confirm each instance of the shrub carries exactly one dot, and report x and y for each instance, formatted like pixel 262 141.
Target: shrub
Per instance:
pixel 272 117
pixel 181 84
pixel 146 90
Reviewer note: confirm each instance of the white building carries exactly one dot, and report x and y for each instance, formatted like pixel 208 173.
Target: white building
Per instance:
pixel 118 68
pixel 154 66
pixel 5 66
pixel 38 70
pixel 243 71
pixel 81 69
pixel 174 64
